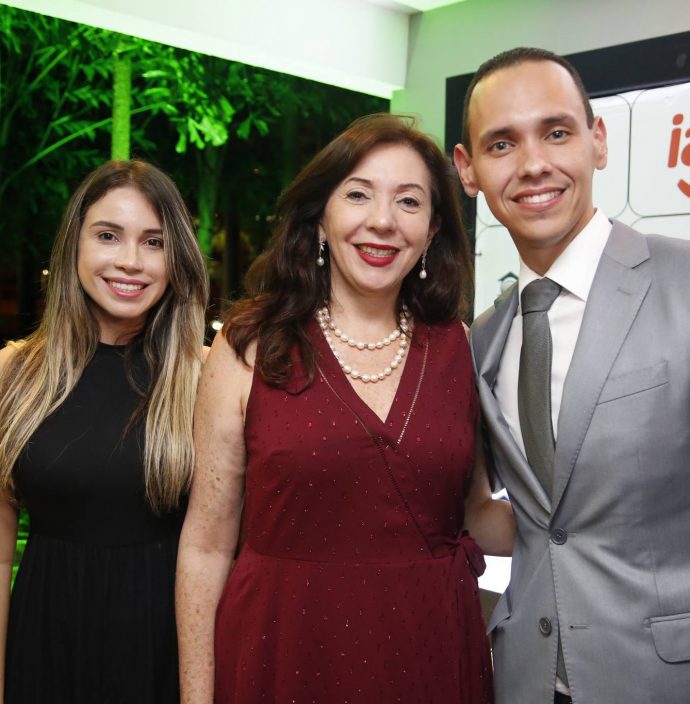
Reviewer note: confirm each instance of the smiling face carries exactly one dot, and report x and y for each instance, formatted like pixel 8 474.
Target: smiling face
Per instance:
pixel 121 262
pixel 377 222
pixel 533 157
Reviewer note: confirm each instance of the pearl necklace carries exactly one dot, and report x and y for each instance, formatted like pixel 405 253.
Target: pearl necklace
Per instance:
pixel 400 333
pixel 325 316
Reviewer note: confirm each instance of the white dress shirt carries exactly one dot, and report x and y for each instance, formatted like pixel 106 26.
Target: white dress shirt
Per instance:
pixel 574 271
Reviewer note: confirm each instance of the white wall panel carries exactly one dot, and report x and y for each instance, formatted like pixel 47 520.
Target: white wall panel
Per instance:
pixel 660 152
pixel 496 263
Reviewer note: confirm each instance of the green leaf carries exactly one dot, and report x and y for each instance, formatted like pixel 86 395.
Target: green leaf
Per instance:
pixel 261 126
pixel 155 73
pixel 244 129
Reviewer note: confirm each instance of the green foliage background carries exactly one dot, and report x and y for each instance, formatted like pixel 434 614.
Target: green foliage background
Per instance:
pixel 230 135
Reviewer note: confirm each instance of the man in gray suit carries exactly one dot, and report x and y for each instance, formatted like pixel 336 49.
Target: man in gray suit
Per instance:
pixel 584 368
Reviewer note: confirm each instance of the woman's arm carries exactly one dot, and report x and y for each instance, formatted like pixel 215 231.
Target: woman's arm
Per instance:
pixel 489 521
pixel 211 527
pixel 8 539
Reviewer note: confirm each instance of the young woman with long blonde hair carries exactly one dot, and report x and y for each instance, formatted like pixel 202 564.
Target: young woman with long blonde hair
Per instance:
pixel 96 442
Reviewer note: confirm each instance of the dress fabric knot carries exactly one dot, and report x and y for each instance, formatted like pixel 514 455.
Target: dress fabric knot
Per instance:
pixel 465 545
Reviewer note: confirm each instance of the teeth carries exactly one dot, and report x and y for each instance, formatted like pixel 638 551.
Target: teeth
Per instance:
pixel 126 287
pixel 539 198
pixel 376 252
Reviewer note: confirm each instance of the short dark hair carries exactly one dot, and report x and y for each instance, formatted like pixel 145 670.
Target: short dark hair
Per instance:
pixel 513 57
pixel 286 287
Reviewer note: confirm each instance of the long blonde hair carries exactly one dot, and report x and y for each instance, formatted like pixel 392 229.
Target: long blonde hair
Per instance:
pixel 46 365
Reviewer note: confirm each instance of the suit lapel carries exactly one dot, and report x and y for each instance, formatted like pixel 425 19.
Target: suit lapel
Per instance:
pixel 612 306
pixel 489 335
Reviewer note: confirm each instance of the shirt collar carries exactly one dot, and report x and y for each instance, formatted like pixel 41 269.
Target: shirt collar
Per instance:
pixel 576 266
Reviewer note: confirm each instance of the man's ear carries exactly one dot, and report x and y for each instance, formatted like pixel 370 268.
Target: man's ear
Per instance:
pixel 463 165
pixel 601 152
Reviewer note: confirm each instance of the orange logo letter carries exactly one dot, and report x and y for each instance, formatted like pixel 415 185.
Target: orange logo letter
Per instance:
pixel 674 152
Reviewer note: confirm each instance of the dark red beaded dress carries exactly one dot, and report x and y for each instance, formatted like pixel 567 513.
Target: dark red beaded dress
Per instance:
pixel 354 583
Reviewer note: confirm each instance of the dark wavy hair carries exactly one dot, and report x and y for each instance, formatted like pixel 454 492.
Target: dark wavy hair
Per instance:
pixel 285 287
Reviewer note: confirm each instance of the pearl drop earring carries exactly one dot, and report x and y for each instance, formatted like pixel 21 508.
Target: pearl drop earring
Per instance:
pixel 320 260
pixel 422 271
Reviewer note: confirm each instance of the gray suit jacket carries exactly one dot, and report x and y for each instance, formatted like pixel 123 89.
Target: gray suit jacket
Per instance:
pixel 607 557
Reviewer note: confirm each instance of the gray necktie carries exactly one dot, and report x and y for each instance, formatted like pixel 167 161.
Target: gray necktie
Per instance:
pixel 534 381
pixel 534 391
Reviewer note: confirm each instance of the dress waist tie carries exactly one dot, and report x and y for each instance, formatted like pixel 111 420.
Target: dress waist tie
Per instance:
pixel 467 565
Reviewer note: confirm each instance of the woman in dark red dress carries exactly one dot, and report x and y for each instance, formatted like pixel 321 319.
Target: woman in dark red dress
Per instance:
pixel 338 407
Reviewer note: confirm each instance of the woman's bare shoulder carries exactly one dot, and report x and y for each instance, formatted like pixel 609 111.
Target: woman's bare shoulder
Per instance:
pixel 7 353
pixel 226 376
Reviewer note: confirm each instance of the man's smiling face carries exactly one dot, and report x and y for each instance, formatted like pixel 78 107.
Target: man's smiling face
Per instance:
pixel 533 156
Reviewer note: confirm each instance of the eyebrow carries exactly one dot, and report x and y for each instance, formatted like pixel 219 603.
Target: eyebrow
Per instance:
pixel 555 119
pixel 495 134
pixel 506 131
pixel 400 186
pixel 115 226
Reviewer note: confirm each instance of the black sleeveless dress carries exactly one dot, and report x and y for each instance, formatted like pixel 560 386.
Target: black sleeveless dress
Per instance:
pixel 92 611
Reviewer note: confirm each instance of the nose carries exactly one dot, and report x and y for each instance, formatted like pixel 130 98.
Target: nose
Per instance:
pixel 128 256
pixel 534 159
pixel 381 217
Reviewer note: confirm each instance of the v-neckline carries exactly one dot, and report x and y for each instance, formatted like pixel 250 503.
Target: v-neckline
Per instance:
pixel 405 393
